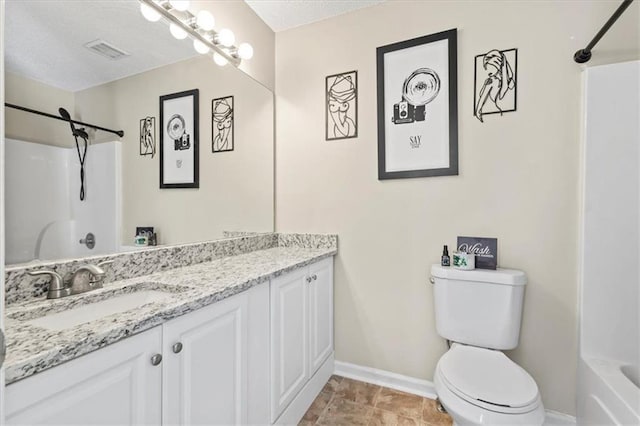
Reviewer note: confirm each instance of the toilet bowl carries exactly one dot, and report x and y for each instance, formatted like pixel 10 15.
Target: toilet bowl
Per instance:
pixel 479 386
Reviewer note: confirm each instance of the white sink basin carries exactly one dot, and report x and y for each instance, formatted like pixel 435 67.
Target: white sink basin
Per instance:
pixel 97 310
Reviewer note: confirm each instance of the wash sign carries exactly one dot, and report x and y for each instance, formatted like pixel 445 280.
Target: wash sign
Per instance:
pixel 485 249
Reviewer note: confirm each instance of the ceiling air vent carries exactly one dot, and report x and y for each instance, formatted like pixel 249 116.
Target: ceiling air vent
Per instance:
pixel 105 49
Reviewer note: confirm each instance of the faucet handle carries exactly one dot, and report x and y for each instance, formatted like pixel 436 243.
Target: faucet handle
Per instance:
pixel 57 288
pixel 53 274
pixel 104 262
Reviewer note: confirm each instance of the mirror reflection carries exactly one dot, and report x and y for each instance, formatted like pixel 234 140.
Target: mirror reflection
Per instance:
pixel 196 134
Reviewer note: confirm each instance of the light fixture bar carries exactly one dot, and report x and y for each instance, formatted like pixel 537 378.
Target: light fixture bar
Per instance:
pixel 191 31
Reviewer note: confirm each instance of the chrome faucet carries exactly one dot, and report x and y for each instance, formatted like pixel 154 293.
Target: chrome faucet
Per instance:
pixel 85 278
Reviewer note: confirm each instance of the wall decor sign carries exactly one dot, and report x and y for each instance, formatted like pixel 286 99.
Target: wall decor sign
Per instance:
pixel 341 109
pixel 222 124
pixel 485 249
pixel 495 83
pixel 179 156
pixel 148 136
pixel 418 107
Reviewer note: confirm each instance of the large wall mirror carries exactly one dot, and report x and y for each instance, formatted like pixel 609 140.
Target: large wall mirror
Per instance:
pixel 58 55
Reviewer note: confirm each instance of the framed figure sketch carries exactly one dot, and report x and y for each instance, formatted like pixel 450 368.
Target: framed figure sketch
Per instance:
pixel 222 124
pixel 179 140
pixel 341 106
pixel 418 107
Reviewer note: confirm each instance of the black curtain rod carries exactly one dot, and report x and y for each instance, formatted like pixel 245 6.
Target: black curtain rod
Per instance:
pixel 583 55
pixel 57 117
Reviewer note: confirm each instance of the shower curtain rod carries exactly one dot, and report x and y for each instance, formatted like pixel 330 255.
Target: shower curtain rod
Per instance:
pixel 57 117
pixel 583 55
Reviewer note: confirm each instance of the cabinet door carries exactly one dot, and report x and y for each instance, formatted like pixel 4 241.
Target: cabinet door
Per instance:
pixel 289 339
pixel 114 385
pixel 205 382
pixel 320 312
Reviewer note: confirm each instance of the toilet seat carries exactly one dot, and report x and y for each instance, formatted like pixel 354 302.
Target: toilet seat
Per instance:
pixel 488 379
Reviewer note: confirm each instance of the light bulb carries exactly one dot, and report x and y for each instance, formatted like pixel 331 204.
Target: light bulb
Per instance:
pixel 177 32
pixel 245 51
pixel 205 20
pixel 200 47
pixel 149 13
pixel 219 59
pixel 226 37
pixel 180 5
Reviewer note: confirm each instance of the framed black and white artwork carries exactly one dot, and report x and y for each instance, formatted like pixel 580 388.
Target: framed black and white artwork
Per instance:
pixel 148 136
pixel 222 124
pixel 495 83
pixel 418 107
pixel 179 146
pixel 341 106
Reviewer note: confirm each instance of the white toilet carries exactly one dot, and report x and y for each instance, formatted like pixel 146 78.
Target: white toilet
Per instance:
pixel 480 311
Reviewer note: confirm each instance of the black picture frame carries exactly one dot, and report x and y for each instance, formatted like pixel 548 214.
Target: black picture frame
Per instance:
pixel 148 137
pixel 386 119
pixel 216 116
pixel 351 99
pixel 187 137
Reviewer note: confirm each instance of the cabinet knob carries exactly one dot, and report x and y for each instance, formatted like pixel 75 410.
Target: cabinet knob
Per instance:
pixel 156 359
pixel 177 347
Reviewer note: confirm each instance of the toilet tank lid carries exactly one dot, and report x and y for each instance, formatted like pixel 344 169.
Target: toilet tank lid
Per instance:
pixel 511 277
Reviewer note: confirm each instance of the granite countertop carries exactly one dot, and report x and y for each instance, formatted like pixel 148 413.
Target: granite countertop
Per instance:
pixel 31 349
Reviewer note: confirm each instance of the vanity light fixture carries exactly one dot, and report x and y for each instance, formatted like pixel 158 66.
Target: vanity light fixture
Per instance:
pixel 183 23
pixel 180 5
pixel 225 37
pixel 149 13
pixel 177 32
pixel 219 59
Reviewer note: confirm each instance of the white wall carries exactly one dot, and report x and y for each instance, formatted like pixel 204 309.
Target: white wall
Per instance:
pixel 518 177
pixel 28 127
pixel 610 321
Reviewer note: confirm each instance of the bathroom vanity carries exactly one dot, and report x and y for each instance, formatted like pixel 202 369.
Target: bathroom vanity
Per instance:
pixel 244 336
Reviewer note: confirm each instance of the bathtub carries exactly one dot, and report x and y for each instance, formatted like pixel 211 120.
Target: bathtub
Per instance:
pixel 608 393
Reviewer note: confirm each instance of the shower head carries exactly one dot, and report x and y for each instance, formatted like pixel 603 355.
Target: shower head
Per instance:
pixel 81 133
pixel 64 114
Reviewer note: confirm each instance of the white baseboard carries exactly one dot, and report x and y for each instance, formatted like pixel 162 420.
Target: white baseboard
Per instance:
pixel 387 379
pixel 420 387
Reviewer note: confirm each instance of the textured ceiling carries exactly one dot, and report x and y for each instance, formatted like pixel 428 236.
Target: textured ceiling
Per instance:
pixel 44 41
pixel 281 15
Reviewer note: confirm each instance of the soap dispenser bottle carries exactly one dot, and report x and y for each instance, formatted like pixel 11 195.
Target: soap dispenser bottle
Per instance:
pixel 445 260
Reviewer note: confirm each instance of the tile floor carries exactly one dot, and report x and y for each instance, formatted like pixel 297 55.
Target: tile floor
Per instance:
pixel 349 402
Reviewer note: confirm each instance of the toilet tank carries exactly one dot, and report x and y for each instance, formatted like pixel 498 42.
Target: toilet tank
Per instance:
pixel 480 307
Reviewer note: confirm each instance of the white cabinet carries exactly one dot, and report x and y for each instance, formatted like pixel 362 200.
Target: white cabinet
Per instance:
pixel 114 385
pixel 320 313
pixel 289 338
pixel 258 357
pixel 301 330
pixel 203 377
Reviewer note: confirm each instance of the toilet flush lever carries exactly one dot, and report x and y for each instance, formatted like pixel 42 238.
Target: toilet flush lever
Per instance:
pixel 432 280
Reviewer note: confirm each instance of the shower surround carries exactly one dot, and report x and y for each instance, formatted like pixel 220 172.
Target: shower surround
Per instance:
pixel 45 218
